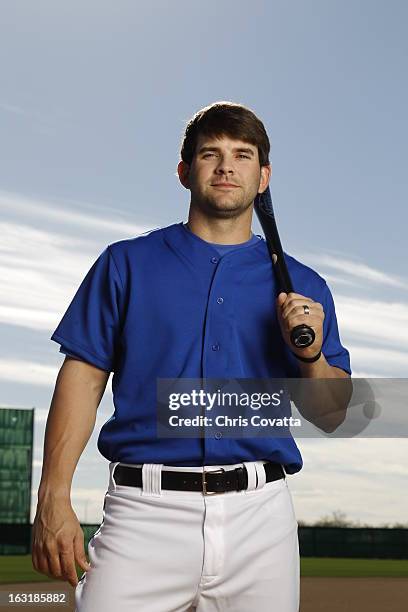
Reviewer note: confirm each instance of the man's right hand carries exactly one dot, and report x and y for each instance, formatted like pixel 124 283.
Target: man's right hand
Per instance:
pixel 57 537
pixel 58 540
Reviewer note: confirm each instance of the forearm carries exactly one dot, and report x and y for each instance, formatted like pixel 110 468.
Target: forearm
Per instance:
pixel 324 404
pixel 78 392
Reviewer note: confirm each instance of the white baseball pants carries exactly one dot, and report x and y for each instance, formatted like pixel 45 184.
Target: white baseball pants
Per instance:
pixel 173 551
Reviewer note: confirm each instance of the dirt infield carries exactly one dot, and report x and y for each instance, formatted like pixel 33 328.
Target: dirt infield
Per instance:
pixel 353 594
pixel 317 595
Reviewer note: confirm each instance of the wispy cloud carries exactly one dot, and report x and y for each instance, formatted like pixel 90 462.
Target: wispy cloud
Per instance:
pixel 354 269
pixel 42 122
pixel 68 214
pixel 45 252
pixel 379 358
pixel 333 279
pixel 47 121
pixel 12 108
pixel 380 322
pixel 18 370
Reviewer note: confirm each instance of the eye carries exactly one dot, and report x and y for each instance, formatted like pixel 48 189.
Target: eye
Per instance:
pixel 207 154
pixel 242 155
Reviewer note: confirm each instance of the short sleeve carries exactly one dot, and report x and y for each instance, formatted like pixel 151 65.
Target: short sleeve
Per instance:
pixel 68 353
pixel 91 325
pixel 334 352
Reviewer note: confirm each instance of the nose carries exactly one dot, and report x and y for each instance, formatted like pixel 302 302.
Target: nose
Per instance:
pixel 224 166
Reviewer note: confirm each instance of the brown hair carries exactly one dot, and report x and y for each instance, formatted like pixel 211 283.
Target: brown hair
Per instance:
pixel 225 118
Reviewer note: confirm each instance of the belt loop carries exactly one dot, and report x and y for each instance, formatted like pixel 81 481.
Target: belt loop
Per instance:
pixel 250 468
pixel 151 479
pixel 260 471
pixel 156 479
pixel 112 483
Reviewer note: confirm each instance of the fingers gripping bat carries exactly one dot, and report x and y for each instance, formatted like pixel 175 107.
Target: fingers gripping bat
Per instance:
pixel 302 335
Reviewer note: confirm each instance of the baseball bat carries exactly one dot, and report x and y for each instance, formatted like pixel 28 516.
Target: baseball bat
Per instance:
pixel 302 335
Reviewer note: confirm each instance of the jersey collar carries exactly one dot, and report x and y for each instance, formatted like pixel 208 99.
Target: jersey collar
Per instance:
pixel 200 253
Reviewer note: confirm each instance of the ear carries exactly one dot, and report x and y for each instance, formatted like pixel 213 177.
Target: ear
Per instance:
pixel 183 170
pixel 266 173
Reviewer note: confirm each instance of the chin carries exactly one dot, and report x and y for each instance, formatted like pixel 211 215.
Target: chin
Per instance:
pixel 221 207
pixel 225 212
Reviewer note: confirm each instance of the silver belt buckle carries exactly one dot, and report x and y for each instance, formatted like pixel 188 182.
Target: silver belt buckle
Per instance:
pixel 217 471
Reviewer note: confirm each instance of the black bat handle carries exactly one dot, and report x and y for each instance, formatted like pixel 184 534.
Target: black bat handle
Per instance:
pixel 301 336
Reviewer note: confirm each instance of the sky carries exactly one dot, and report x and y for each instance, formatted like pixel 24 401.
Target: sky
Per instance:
pixel 94 100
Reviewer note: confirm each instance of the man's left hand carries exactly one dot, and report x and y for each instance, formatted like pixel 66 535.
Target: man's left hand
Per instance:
pixel 291 313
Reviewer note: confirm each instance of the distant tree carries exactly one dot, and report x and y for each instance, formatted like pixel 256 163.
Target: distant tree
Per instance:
pixel 337 519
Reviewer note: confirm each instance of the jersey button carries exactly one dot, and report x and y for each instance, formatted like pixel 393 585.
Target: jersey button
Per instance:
pixel 218 435
pixel 214 259
pixel 220 300
pixel 215 347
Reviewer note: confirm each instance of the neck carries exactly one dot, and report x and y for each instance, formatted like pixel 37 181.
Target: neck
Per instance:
pixel 221 231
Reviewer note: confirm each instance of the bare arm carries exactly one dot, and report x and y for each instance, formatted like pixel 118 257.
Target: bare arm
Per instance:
pixel 324 405
pixel 57 535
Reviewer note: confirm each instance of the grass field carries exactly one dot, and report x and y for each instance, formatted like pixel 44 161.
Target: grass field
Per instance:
pixel 354 568
pixel 18 568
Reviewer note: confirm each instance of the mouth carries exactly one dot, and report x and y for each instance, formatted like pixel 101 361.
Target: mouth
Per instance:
pixel 224 186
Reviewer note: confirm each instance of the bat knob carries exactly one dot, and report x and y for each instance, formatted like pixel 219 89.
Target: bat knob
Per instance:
pixel 302 336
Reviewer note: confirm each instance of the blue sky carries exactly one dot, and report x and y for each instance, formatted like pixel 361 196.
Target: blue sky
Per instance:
pixel 94 100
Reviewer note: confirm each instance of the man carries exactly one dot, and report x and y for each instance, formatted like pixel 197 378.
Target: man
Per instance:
pixel 194 300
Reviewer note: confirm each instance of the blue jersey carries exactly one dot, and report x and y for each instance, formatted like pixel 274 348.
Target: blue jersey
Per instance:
pixel 167 304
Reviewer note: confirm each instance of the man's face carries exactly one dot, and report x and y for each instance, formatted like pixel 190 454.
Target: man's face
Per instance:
pixel 222 161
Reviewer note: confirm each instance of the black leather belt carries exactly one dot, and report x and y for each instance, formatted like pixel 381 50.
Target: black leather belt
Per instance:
pixel 208 481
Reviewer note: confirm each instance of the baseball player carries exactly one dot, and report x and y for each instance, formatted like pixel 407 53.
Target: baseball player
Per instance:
pixel 192 524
